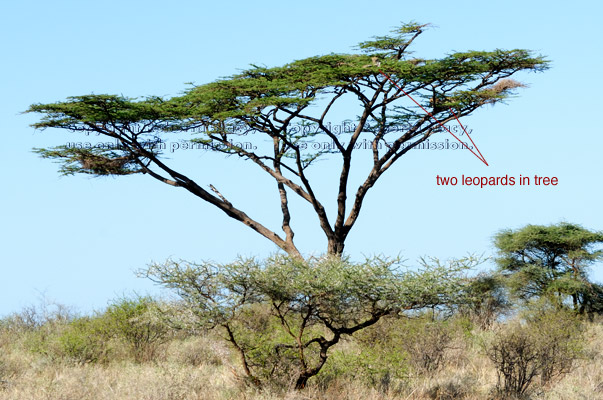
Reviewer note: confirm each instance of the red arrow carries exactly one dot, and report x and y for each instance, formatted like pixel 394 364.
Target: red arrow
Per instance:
pixel 480 157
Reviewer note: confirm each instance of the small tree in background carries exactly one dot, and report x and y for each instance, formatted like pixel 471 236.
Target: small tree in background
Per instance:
pixel 283 316
pixel 552 261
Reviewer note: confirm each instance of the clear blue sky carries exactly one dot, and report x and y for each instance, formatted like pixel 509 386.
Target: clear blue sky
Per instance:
pixel 79 239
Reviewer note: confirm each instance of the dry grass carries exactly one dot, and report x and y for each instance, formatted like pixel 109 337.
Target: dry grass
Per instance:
pixel 586 381
pixel 202 368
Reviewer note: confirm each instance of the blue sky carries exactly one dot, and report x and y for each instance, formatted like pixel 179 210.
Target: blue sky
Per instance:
pixel 77 240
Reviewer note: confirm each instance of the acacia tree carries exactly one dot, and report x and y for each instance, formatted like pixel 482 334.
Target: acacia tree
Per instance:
pixel 552 261
pixel 273 103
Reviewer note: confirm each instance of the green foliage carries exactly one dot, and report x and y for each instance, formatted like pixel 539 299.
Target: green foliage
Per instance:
pixel 551 261
pixel 269 349
pixel 556 247
pixel 485 299
pixel 256 115
pixel 383 367
pixel 133 321
pixel 245 99
pixel 85 112
pixel 424 341
pixel 388 354
pixel 94 161
pixel 393 43
pixel 83 341
pixel 284 315
pixel 127 321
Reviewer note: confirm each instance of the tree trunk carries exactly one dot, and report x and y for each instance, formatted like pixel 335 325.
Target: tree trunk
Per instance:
pixel 575 301
pixel 335 247
pixel 301 381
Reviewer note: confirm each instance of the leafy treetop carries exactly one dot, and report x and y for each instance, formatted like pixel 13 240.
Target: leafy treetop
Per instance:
pixel 552 261
pixel 273 102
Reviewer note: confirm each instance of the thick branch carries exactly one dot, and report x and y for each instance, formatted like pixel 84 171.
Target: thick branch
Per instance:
pixel 242 356
pixel 286 225
pixel 223 204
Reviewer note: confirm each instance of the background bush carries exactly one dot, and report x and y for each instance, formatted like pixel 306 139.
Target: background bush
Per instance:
pixel 135 322
pixel 546 344
pixel 129 323
pixel 83 340
pixel 376 366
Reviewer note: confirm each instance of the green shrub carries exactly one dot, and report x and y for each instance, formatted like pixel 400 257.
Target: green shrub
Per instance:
pixel 378 366
pixel 81 340
pixel 132 320
pixel 270 350
pixel 84 340
pixel 127 324
pixel 424 341
pixel 385 355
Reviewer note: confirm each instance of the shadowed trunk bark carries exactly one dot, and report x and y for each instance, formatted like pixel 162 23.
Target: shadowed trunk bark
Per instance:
pixel 335 247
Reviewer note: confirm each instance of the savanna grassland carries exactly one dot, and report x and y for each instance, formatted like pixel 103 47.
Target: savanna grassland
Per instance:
pixel 128 351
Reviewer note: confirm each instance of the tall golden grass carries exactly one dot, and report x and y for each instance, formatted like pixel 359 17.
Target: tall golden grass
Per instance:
pixel 203 368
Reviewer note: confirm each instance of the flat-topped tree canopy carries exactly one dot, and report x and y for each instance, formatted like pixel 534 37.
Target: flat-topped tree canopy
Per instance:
pixel 552 262
pixel 273 102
